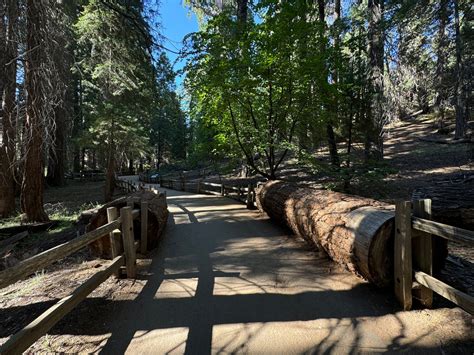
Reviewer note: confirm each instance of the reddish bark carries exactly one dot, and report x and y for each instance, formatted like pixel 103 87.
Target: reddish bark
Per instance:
pixel 33 176
pixel 8 88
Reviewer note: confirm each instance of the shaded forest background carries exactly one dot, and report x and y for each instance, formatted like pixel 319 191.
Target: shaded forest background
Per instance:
pixel 86 85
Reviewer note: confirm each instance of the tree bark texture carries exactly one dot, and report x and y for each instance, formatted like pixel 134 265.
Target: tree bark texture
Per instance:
pixel 376 55
pixel 8 93
pixel 33 177
pixel 57 154
pixel 355 232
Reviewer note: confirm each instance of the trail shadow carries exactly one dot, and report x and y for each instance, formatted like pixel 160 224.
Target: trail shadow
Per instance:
pixel 231 271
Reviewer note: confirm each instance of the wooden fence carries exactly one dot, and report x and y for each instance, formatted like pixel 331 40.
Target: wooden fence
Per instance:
pixel 125 185
pixel 240 193
pixel 124 247
pixel 413 247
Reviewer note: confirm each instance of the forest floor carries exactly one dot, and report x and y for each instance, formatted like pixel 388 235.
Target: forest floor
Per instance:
pixel 226 279
pixel 416 157
pixel 415 161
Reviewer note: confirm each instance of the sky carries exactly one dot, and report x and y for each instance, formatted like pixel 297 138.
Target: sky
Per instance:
pixel 177 21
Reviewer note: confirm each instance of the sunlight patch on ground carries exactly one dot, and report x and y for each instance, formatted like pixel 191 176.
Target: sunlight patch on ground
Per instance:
pixel 332 335
pixel 177 288
pixel 159 341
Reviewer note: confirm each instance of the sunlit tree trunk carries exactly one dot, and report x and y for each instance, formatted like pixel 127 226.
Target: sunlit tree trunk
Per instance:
pixel 32 185
pixel 376 55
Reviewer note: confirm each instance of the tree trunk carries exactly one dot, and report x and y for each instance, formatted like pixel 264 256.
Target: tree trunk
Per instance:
pixel 332 145
pixel 460 131
pixel 77 123
pixel 242 11
pixel 56 167
pixel 331 138
pixel 376 54
pixel 83 159
pixel 33 176
pixel 3 42
pixel 110 174
pixel 8 88
pixel 355 232
pixel 443 18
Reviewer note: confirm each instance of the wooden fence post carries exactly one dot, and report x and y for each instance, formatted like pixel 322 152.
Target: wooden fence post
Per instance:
pixel 403 254
pixel 250 197
pixel 112 216
pixel 198 189
pixel 128 241
pixel 144 227
pixel 222 190
pixel 423 251
pixel 239 192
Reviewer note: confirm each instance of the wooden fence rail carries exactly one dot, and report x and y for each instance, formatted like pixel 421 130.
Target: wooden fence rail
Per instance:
pixel 240 193
pixel 122 256
pixel 413 245
pixel 22 340
pixel 125 185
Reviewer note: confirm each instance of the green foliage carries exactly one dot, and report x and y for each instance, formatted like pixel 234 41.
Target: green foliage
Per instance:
pixel 117 74
pixel 257 88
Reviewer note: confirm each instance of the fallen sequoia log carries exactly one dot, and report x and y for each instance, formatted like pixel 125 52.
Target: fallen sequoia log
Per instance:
pixel 355 232
pixel 157 219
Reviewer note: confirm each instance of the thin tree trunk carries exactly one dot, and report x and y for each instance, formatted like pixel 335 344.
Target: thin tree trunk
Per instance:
pixel 110 176
pixel 460 131
pixel 242 11
pixel 83 159
pixel 331 137
pixel 376 54
pixel 441 60
pixel 32 186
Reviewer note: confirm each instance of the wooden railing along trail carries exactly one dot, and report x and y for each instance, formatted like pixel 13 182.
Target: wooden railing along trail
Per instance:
pixel 21 341
pixel 245 194
pixel 413 246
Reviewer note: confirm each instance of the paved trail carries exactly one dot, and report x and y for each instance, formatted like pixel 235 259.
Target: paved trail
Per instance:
pixel 228 280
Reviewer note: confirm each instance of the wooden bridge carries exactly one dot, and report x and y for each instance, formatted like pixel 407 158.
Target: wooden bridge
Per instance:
pixel 227 280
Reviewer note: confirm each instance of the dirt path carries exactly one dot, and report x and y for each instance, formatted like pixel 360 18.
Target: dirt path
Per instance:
pixel 228 280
